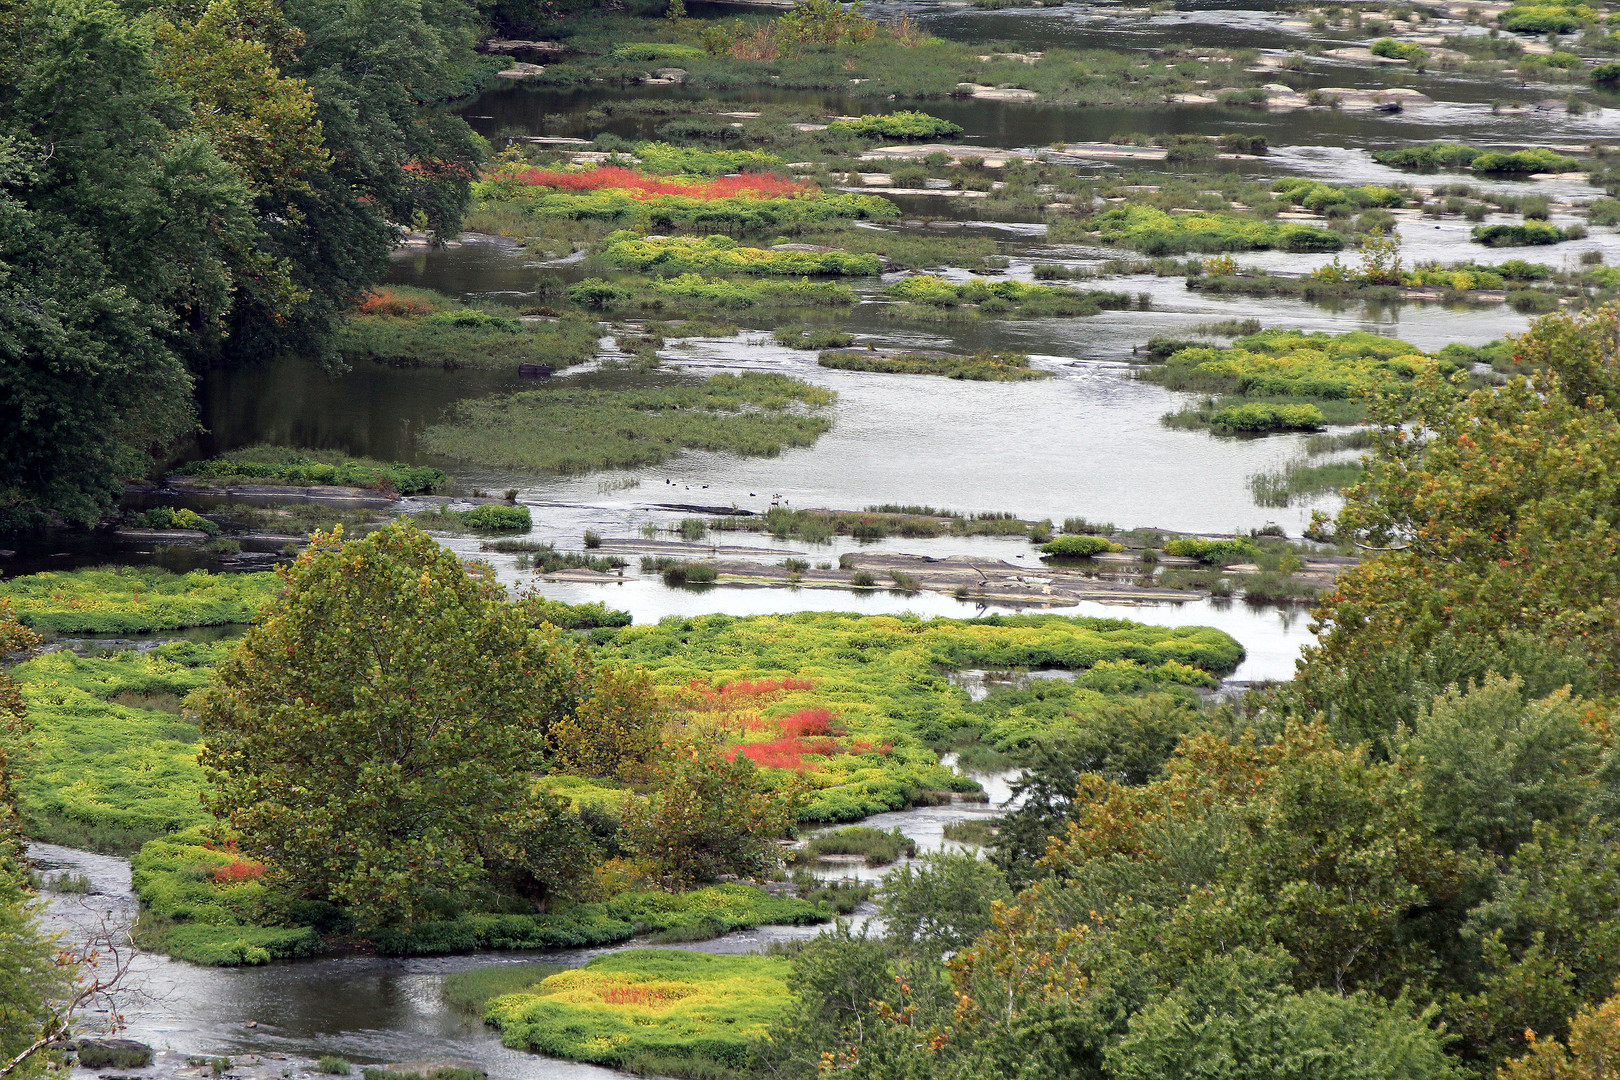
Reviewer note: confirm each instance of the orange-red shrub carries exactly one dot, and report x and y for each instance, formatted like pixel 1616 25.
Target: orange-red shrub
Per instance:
pixel 385 302
pixel 234 873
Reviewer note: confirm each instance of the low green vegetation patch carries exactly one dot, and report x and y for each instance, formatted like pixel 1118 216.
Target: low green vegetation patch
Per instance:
pixel 615 207
pixel 1004 296
pixel 1453 155
pixel 708 254
pixel 646 1006
pixel 111 760
pixel 578 430
pixel 984 366
pixel 1153 231
pixel 1300 481
pixel 461 337
pixel 907 124
pixel 879 847
pixel 134 600
pixel 1546 18
pixel 1526 234
pixel 875 523
pixel 490 517
pixel 169 517
pixel 1213 551
pixel 732 293
pixel 1399 50
pixel 1078 547
pixel 289 465
pixel 471 991
pixel 1263 417
pixel 1290 363
pixel 666 158
pixel 1318 196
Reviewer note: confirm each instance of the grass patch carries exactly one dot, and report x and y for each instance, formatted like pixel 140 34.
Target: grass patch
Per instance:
pixel 135 600
pixel 648 1003
pixel 576 430
pixel 289 465
pixel 471 991
pixel 1078 547
pixel 451 335
pixel 1300 481
pixel 981 367
pixel 874 523
pixel 975 832
pixel 877 846
pixel 1004 296
pixel 1153 231
pixel 490 517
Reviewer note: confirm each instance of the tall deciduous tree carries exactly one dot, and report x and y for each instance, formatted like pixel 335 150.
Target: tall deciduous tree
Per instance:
pixel 375 738
pixel 1492 521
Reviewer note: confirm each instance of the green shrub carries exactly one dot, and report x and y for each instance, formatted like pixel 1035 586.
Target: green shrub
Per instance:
pixel 1545 18
pixel 1213 551
pixel 1606 75
pixel 169 517
pixel 896 125
pixel 489 517
pixel 1399 50
pixel 661 157
pixel 1536 160
pixel 1261 417
pixel 1078 547
pixel 597 293
pixel 1433 156
pixel 1527 234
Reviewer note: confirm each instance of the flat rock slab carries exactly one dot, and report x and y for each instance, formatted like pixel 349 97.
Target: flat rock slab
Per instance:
pixel 693 550
pixel 995 93
pixel 521 71
pixel 1110 152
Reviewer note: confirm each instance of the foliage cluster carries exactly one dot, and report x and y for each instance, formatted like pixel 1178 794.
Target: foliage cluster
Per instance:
pixel 1314 365
pixel 1078 547
pixel 906 124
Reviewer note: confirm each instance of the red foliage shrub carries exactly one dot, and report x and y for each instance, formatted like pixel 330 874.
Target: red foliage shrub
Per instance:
pixel 743 186
pixel 386 302
pixel 235 873
pixel 808 722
